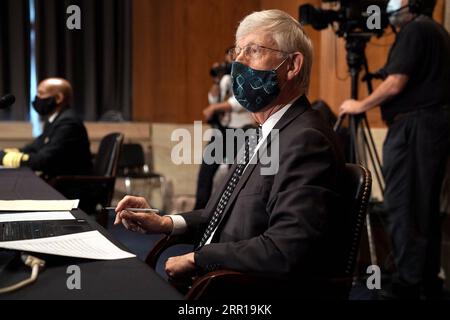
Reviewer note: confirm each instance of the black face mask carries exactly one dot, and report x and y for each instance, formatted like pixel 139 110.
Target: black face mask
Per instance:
pixel 44 107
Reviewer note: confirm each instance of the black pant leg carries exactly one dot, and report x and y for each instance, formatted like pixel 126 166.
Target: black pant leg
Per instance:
pixel 432 144
pixel 397 170
pixel 415 153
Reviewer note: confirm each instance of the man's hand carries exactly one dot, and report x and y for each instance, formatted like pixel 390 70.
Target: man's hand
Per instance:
pixel 145 223
pixel 351 107
pixel 392 86
pixel 181 268
pixel 141 222
pixel 209 112
pixel 129 202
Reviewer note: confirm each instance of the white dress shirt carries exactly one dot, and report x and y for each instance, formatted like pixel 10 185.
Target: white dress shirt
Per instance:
pixel 53 117
pixel 179 223
pixel 238 117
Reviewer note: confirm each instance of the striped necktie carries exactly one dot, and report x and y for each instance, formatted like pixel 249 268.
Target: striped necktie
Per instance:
pixel 250 145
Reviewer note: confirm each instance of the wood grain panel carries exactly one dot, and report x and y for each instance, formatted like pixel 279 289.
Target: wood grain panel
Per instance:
pixel 176 42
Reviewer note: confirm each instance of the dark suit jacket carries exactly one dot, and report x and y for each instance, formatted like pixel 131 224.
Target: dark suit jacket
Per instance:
pixel 62 149
pixel 284 225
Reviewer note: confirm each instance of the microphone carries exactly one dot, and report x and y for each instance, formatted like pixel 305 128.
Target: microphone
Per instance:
pixel 7 101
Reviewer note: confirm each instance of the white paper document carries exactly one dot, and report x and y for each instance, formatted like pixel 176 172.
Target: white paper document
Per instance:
pixel 36 216
pixel 86 245
pixel 38 205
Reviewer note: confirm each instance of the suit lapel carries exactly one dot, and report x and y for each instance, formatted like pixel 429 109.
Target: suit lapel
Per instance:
pixel 48 127
pixel 298 108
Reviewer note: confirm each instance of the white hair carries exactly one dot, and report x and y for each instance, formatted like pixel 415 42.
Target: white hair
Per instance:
pixel 286 32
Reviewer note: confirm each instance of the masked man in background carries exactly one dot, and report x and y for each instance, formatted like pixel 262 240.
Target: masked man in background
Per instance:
pixel 63 147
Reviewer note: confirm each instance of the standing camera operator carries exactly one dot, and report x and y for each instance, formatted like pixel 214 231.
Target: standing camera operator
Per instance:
pixel 224 112
pixel 414 100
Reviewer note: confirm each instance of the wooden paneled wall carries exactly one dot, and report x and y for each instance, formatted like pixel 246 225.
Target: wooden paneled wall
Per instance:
pixel 175 42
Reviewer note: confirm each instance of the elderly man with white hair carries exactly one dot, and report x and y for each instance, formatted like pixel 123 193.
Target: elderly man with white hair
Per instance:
pixel 285 224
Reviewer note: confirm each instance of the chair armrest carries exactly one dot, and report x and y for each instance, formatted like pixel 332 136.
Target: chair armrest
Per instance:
pixel 218 281
pixel 223 284
pixel 164 244
pixel 226 283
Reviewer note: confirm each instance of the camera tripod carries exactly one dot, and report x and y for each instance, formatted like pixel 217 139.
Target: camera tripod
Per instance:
pixel 362 146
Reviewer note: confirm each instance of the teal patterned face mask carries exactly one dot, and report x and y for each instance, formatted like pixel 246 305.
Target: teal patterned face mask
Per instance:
pixel 255 89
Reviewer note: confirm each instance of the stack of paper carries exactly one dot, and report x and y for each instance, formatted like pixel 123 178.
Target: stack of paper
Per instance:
pixel 87 245
pixel 36 216
pixel 38 205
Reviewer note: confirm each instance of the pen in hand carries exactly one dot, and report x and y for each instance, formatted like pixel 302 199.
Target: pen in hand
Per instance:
pixel 136 210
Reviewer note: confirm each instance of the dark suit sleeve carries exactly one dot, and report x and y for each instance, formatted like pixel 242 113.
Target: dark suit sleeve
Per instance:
pixel 66 134
pixel 32 147
pixel 196 222
pixel 301 199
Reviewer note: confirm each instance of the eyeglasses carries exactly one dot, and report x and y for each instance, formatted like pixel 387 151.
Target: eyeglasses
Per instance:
pixel 252 51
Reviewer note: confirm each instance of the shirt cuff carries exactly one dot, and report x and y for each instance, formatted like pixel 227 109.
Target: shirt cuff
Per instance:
pixel 179 224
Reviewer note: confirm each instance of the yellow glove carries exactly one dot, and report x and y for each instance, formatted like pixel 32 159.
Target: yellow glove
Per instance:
pixel 11 150
pixel 14 159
